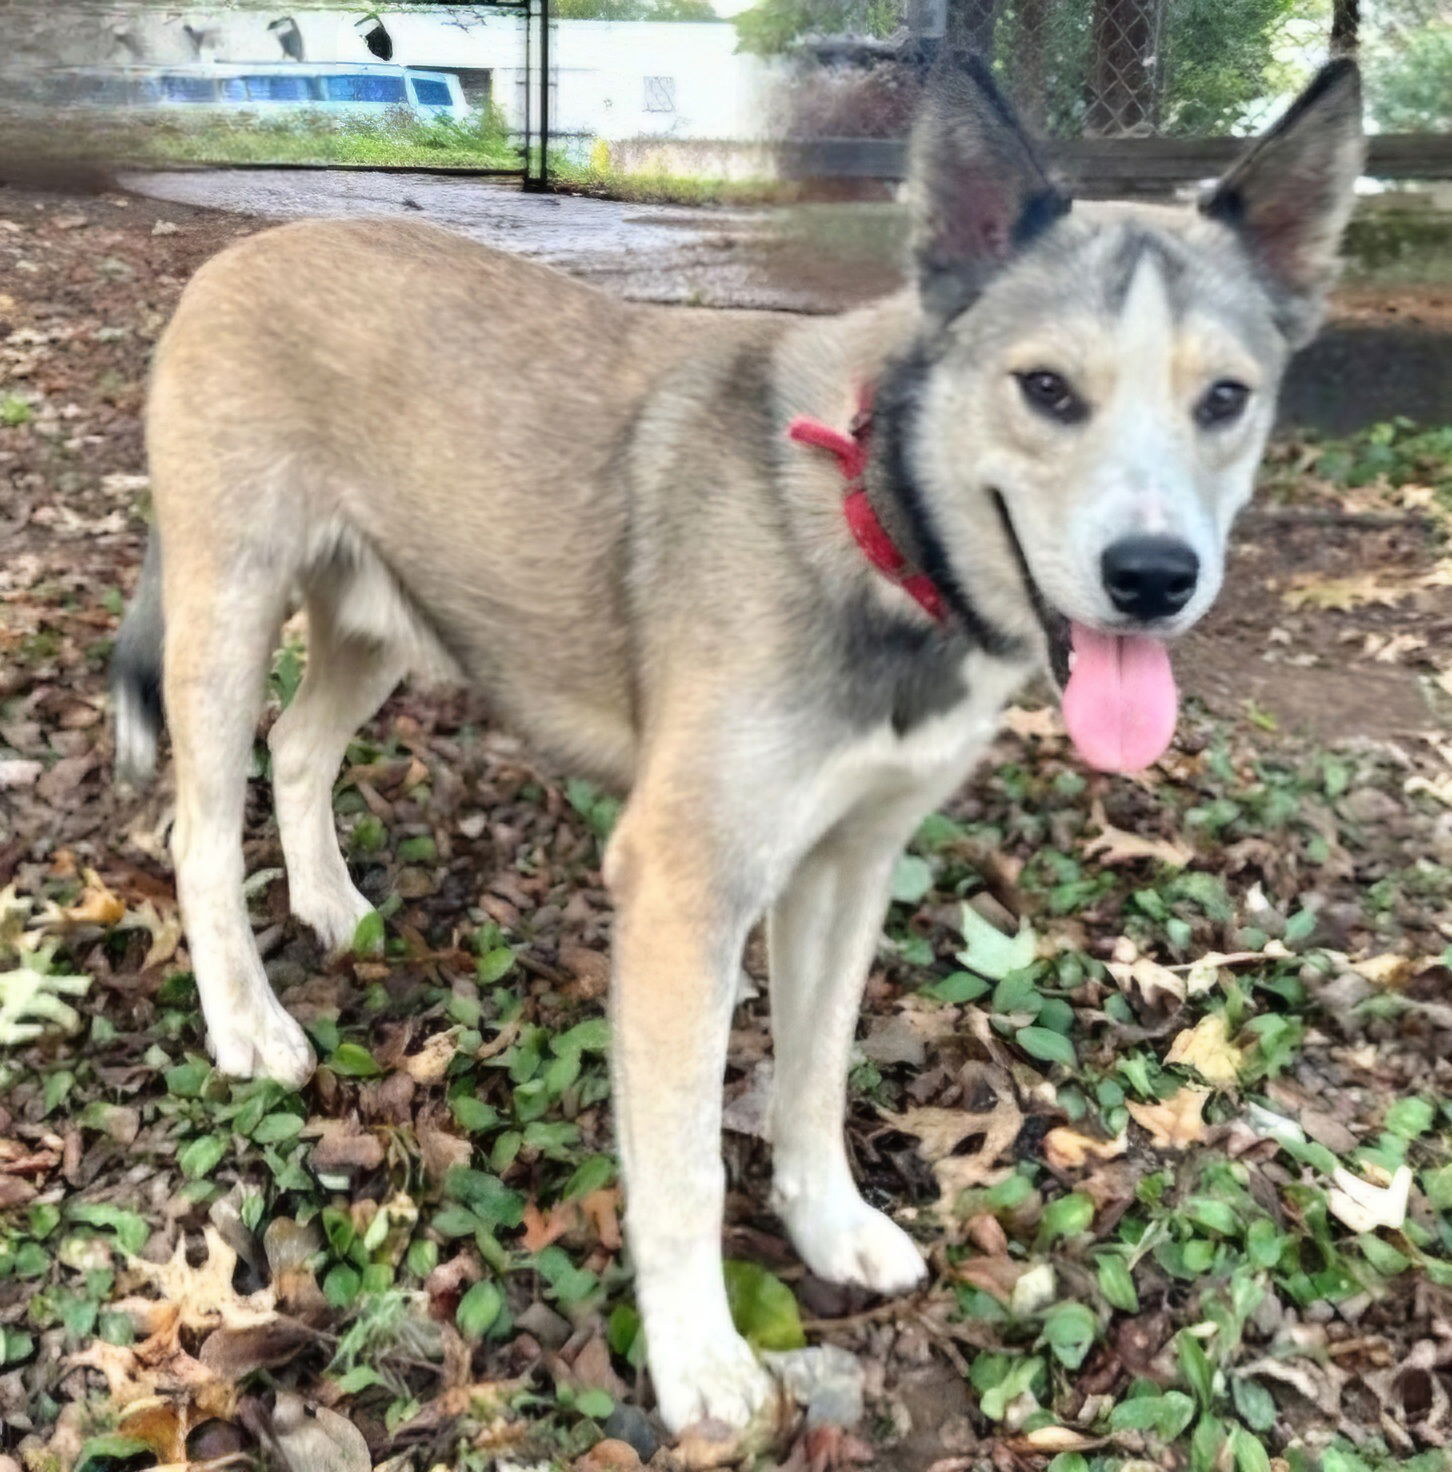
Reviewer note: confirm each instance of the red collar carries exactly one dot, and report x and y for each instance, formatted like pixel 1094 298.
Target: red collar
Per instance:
pixel 870 534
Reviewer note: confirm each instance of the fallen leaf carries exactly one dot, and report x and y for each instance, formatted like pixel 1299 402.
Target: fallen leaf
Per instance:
pixel 1036 1289
pixel 540 1230
pixel 165 932
pixel 1050 1439
pixel 1175 1122
pixel 197 1299
pixel 1365 1206
pixel 343 1148
pixel 431 1062
pixel 1067 1149
pixel 1045 722
pixel 602 1210
pixel 97 905
pixel 1387 969
pixel 314 1439
pixel 947 1129
pixel 1207 1049
pixel 1153 980
pixel 441 1151
pixel 1115 846
pixel 991 953
pixel 31 999
pixel 997 1275
pixel 1343 594
pixel 938 1132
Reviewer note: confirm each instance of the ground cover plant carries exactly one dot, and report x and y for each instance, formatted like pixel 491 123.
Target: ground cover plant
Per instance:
pixel 134 137
pixel 1157 1071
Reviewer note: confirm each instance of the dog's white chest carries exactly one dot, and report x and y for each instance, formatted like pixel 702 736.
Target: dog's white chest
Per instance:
pixel 926 762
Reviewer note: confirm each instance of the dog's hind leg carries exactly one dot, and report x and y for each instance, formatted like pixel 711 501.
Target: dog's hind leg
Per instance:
pixel 347 679
pixel 821 935
pixel 222 619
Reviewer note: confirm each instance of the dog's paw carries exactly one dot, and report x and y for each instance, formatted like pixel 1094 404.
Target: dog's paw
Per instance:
pixel 850 1242
pixel 266 1043
pixel 718 1380
pixel 332 917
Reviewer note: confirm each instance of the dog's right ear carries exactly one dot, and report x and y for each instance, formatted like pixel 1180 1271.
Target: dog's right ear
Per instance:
pixel 977 190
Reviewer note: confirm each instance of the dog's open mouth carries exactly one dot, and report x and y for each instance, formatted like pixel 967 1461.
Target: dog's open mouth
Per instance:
pixel 1118 690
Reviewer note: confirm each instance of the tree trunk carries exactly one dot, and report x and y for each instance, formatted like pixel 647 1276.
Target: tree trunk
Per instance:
pixel 970 26
pixel 1124 72
pixel 1345 27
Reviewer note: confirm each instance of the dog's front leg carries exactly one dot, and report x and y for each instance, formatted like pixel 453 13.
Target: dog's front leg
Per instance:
pixel 679 931
pixel 822 933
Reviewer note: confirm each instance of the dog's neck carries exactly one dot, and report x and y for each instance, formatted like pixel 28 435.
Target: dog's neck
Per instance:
pixel 852 450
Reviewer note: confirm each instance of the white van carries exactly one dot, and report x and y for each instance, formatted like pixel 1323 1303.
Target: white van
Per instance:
pixel 267 88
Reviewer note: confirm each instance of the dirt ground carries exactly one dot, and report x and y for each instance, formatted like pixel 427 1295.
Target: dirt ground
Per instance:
pixel 1300 833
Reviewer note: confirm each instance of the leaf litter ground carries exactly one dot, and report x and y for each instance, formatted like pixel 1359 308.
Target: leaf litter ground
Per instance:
pixel 1156 1071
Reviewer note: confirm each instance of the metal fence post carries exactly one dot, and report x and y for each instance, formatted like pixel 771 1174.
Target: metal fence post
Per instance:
pixel 537 168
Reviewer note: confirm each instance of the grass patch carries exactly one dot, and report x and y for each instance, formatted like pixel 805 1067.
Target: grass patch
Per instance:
pixel 481 141
pixel 659 187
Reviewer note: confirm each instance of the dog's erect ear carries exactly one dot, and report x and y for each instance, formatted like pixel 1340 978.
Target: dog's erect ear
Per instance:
pixel 1290 197
pixel 977 189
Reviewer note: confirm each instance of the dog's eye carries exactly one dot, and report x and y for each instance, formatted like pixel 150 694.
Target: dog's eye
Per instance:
pixel 1222 403
pixel 1050 394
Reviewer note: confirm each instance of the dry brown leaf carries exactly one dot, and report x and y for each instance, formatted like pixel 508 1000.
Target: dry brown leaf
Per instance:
pixel 1207 1049
pixel 162 1424
pixel 314 1439
pixel 157 1367
pixel 1045 722
pixel 165 932
pixel 1175 1122
pixel 941 1131
pixel 431 1062
pixel 1387 969
pixel 1343 594
pixel 441 1150
pixel 1048 1439
pixel 1116 846
pixel 97 905
pixel 197 1299
pixel 997 1276
pixel 343 1147
pixel 602 1210
pixel 1067 1149
pixel 1153 980
pixel 540 1230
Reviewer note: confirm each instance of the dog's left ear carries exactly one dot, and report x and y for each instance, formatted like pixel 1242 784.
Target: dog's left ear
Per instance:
pixel 1290 197
pixel 977 189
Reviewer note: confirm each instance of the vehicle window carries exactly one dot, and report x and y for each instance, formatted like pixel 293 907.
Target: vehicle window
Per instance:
pixel 431 93
pixel 363 87
pixel 279 89
pixel 188 89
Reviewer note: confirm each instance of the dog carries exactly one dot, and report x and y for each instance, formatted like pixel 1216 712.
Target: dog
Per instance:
pixel 775 578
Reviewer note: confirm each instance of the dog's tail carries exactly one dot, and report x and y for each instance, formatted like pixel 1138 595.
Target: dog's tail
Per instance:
pixel 136 675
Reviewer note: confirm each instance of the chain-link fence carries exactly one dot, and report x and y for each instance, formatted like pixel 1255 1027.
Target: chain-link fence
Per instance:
pixel 1139 68
pixel 1086 69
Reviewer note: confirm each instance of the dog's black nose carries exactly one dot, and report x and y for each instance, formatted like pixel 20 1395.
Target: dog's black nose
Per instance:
pixel 1149 577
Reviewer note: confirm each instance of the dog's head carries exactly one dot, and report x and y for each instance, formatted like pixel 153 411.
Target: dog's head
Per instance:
pixel 1091 387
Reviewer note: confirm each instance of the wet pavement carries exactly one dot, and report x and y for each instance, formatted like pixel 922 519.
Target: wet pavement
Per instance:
pixel 661 253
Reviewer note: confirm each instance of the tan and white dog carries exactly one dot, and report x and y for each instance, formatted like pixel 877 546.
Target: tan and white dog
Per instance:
pixel 773 577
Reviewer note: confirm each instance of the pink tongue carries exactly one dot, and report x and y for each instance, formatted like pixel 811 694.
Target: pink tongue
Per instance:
pixel 1120 703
